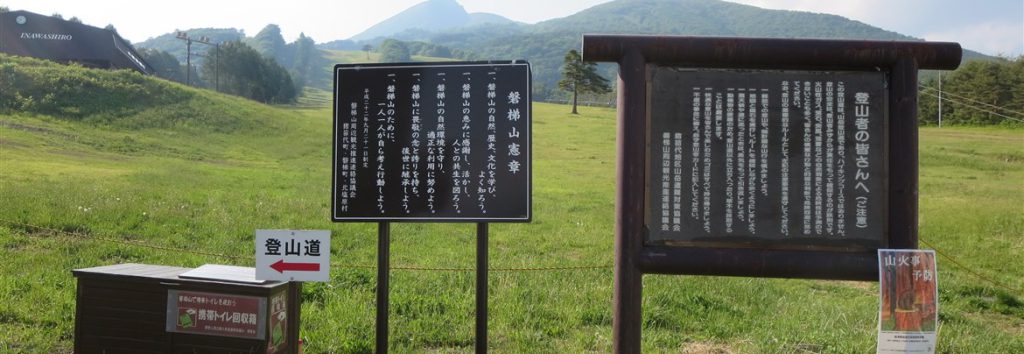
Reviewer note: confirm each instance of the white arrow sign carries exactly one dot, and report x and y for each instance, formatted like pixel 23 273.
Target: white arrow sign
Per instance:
pixel 293 255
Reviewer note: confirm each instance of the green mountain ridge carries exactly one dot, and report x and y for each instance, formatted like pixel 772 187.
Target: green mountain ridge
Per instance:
pixel 544 44
pixel 169 42
pixel 430 16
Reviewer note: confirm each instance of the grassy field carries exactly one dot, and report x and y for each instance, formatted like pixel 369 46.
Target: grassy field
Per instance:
pixel 353 56
pixel 89 192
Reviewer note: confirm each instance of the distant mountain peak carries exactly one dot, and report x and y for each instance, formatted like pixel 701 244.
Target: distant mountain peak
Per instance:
pixel 430 15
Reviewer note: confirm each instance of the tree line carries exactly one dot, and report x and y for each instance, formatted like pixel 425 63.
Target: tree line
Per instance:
pixel 263 68
pixel 234 68
pixel 978 93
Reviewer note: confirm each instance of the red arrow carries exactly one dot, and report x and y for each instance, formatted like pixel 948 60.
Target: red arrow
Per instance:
pixel 280 266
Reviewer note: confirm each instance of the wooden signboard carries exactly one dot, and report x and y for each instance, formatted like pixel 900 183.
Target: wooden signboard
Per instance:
pixel 761 157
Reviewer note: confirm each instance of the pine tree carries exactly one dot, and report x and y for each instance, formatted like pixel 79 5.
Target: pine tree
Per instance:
pixel 367 48
pixel 578 76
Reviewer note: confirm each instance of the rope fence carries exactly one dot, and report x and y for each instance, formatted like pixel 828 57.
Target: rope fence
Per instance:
pixel 79 235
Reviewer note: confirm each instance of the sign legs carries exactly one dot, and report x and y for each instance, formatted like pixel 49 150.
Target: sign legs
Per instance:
pixel 481 288
pixel 383 279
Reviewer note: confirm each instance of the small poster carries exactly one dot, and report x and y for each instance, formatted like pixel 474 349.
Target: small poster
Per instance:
pixel 908 312
pixel 216 314
pixel 278 323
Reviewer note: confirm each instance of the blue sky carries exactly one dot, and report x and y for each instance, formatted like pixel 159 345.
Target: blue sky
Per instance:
pixel 989 26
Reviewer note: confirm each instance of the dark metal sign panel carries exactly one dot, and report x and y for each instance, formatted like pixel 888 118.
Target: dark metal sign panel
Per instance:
pixel 767 159
pixel 432 142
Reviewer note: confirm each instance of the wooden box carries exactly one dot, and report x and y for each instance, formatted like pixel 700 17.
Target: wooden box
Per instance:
pixel 139 308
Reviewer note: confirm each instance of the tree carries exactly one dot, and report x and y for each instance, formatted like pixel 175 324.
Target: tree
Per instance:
pixel 270 43
pixel 392 51
pixel 367 48
pixel 164 64
pixel 980 92
pixel 307 62
pixel 247 73
pixel 75 19
pixel 579 76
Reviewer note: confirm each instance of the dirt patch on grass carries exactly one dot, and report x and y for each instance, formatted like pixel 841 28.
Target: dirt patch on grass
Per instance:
pixel 34 129
pixel 707 348
pixel 1009 324
pixel 10 144
pixel 859 285
pixel 1008 135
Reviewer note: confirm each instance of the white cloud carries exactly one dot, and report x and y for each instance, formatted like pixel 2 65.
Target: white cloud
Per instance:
pixel 993 38
pixel 990 26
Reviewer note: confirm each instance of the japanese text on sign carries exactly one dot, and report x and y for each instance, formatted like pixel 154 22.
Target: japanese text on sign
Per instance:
pixel 293 255
pixel 216 314
pixel 766 157
pixel 446 141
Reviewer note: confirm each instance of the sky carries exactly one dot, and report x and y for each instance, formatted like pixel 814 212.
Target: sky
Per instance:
pixel 994 27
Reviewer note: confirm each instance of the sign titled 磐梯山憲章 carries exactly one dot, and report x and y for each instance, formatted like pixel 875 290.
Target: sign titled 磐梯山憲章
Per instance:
pixel 432 142
pixel 772 159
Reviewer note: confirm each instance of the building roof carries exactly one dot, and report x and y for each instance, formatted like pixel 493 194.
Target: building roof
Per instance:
pixel 30 34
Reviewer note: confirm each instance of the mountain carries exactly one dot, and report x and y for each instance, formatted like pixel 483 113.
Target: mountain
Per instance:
pixel 430 16
pixel 170 43
pixel 544 44
pixel 483 18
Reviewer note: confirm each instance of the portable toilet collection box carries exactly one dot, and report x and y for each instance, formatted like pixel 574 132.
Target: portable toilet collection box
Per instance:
pixel 139 308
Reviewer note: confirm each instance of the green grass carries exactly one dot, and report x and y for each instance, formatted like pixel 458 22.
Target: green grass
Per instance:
pixel 188 187
pixel 353 56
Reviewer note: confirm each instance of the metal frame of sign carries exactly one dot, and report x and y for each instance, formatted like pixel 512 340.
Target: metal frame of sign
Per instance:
pixel 527 147
pixel 383 222
pixel 634 54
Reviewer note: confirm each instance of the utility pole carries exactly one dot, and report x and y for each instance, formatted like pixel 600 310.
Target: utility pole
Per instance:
pixel 182 35
pixel 940 100
pixel 188 59
pixel 216 68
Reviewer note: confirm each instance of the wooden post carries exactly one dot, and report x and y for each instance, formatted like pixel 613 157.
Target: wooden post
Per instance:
pixel 903 153
pixel 295 308
pixel 629 203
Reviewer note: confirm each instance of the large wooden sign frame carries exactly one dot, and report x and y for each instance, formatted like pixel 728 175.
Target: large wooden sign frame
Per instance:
pixel 642 58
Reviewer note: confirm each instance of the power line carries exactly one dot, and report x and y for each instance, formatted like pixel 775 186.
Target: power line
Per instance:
pixel 972 100
pixel 969 270
pixel 125 242
pixel 976 108
pixel 419 268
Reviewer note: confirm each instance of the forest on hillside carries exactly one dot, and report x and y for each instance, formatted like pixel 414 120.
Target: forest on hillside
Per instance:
pixel 264 67
pixel 980 92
